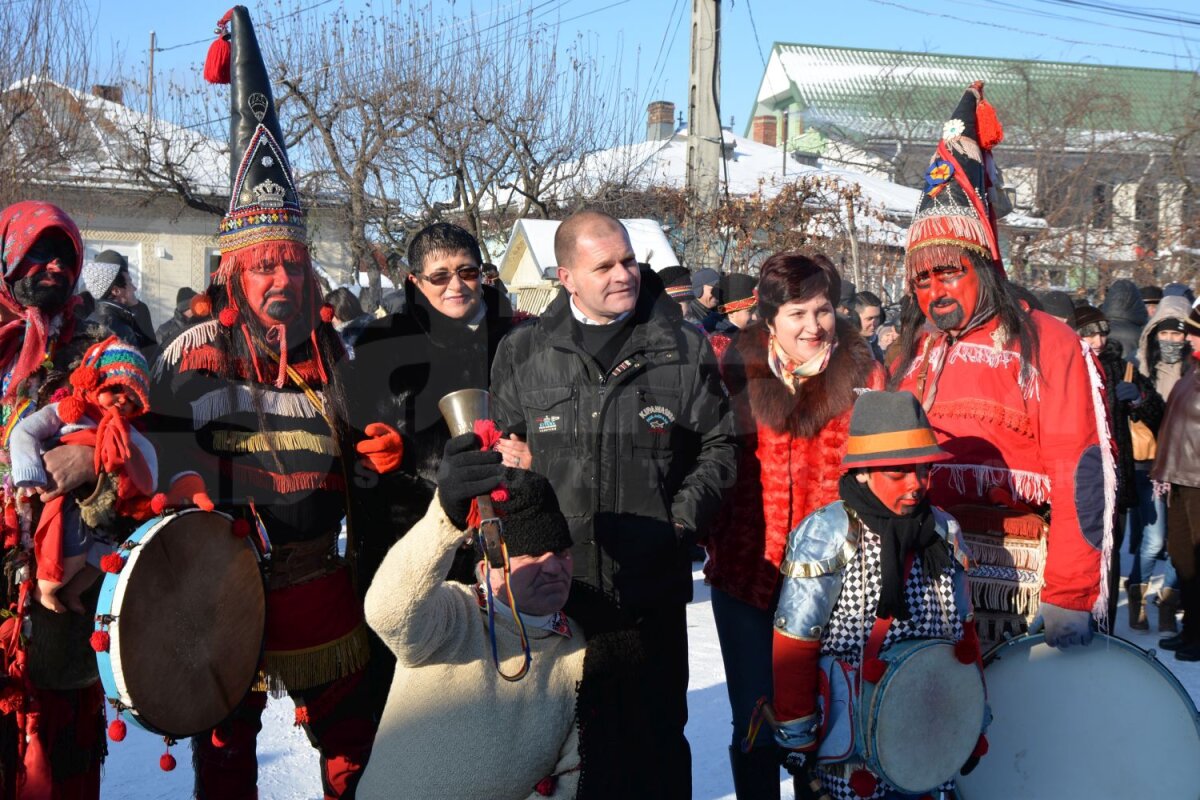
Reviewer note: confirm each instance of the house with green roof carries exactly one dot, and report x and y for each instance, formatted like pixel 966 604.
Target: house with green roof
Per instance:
pixel 1102 163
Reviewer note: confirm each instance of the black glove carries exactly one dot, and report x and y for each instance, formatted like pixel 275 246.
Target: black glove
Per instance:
pixel 796 763
pixel 466 472
pixel 1128 392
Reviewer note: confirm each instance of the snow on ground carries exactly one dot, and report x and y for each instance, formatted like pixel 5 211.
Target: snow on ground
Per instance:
pixel 288 765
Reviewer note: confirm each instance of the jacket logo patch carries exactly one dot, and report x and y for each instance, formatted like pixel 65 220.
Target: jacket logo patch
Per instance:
pixel 548 423
pixel 657 417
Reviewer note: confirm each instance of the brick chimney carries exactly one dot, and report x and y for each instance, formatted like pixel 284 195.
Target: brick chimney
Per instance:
pixel 764 130
pixel 660 121
pixel 114 94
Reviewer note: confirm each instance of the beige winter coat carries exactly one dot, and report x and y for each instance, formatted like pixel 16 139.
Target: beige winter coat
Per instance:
pixel 452 727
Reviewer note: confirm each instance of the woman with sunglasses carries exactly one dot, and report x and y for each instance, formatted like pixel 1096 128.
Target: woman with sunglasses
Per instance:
pixel 443 339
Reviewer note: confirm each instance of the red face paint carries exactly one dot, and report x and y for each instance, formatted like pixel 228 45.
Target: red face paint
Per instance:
pixel 900 489
pixel 948 295
pixel 274 291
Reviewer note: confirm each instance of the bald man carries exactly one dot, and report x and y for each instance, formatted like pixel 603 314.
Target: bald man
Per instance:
pixel 621 406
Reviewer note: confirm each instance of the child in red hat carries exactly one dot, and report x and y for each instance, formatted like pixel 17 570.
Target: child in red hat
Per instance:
pixel 108 389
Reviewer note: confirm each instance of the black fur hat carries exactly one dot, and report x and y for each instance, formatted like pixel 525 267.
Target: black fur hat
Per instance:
pixel 533 522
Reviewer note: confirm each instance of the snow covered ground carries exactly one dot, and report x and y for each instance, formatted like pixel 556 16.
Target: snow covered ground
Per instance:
pixel 288 766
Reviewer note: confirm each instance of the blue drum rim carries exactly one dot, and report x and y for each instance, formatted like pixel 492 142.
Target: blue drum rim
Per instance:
pixel 104 604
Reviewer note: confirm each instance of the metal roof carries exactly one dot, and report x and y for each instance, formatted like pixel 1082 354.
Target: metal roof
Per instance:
pixel 862 94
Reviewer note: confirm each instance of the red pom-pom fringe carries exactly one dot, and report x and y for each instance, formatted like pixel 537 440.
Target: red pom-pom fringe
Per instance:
pixel 218 739
pixel 117 730
pixel 873 669
pixel 228 317
pixel 158 503
pixel 326 313
pixel 112 563
pixel 100 641
pixel 85 378
pixel 546 786
pixel 987 125
pixel 863 783
pixel 166 762
pixel 241 528
pixel 966 650
pixel 201 306
pixel 500 494
pixel 216 63
pixel 981 747
pixel 70 410
pixel 301 715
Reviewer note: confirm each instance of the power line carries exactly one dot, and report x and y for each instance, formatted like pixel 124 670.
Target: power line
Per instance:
pixel 265 26
pixel 657 71
pixel 1084 20
pixel 1126 12
pixel 1023 30
pixel 757 41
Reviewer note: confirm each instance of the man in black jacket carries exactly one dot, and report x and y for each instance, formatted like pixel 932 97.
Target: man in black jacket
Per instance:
pixel 623 409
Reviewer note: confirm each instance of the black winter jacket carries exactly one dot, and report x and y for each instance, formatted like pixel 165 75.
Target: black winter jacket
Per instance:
pixel 629 453
pixel 122 322
pixel 1148 409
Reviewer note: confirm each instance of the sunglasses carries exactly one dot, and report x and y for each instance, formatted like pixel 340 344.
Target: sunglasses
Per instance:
pixel 442 277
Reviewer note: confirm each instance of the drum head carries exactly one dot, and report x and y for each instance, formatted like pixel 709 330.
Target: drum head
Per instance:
pixel 190 624
pixel 928 719
pixel 1105 722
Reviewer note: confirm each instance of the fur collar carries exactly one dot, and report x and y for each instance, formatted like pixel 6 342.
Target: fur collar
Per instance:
pixel 818 400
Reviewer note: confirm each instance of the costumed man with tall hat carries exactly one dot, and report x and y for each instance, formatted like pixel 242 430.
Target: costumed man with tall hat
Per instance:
pixel 249 417
pixel 51 703
pixel 1014 396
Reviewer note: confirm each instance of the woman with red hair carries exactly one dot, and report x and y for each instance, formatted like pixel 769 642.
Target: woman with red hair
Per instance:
pixel 793 377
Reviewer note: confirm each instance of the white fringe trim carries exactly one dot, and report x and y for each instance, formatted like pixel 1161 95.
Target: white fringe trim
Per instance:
pixel 998 358
pixel 240 398
pixel 1100 609
pixel 1032 487
pixel 191 338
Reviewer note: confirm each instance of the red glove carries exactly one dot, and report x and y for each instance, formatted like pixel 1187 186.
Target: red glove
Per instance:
pixel 189 490
pixel 383 449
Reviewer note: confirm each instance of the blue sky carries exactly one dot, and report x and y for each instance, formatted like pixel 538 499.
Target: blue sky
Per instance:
pixel 649 38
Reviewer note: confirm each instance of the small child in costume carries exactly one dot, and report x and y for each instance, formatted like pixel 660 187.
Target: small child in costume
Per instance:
pixel 108 389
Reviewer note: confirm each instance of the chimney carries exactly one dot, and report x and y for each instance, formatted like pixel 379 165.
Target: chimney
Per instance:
pixel 764 130
pixel 113 94
pixel 660 121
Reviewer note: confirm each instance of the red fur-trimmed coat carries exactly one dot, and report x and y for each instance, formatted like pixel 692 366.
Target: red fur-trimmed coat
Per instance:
pixel 790 457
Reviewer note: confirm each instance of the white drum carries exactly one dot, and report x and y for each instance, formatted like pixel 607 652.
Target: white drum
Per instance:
pixel 1102 722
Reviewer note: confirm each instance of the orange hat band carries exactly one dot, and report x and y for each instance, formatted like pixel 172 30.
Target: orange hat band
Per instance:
pixel 913 439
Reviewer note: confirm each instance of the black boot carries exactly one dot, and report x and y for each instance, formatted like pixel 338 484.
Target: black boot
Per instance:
pixel 1188 652
pixel 1172 642
pixel 755 774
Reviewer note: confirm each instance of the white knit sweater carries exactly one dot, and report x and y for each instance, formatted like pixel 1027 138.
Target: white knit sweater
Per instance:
pixel 452 727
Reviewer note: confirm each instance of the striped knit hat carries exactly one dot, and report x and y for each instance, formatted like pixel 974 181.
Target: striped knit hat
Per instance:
pixel 106 365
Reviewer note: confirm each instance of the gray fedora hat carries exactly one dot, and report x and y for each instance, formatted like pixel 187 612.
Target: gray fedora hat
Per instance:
pixel 890 429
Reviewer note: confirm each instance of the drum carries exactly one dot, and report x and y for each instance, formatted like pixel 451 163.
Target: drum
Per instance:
pixel 920 722
pixel 1105 722
pixel 185 617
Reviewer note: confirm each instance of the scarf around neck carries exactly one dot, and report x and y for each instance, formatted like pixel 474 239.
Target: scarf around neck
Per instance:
pixel 898 536
pixel 792 373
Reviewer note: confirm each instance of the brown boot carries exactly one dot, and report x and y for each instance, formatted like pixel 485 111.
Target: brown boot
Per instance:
pixel 1168 604
pixel 1137 611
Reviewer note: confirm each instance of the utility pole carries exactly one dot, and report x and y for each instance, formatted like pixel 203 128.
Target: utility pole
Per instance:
pixel 704 143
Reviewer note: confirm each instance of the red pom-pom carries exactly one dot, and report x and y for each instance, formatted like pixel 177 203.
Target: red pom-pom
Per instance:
pixel 500 494
pixel 966 650
pixel 228 317
pixel 100 641
pixel 863 783
pixel 117 730
pixel 85 378
pixel 60 394
pixel 987 125
pixel 546 786
pixel 70 410
pixel 241 528
pixel 873 669
pixel 216 64
pixel 218 738
pixel 326 313
pixel 301 715
pixel 158 503
pixel 112 562
pixel 166 762
pixel 200 305
pixel 981 747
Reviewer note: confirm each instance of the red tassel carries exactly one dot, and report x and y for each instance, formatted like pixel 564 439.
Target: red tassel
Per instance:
pixel 112 563
pixel 241 528
pixel 863 783
pixel 216 64
pixel 301 715
pixel 166 762
pixel 473 516
pixel 200 305
pixel 228 316
pixel 326 313
pixel 546 786
pixel 100 641
pixel 981 747
pixel 218 739
pixel 158 503
pixel 966 649
pixel 873 669
pixel 987 125
pixel 70 410
pixel 117 730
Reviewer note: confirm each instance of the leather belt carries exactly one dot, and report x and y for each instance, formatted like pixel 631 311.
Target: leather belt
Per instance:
pixel 299 562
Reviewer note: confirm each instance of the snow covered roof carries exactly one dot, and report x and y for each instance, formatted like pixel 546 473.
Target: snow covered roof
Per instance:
pixel 748 168
pixel 95 137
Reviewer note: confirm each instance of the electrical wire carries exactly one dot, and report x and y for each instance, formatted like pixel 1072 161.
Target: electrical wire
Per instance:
pixel 655 71
pixel 265 26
